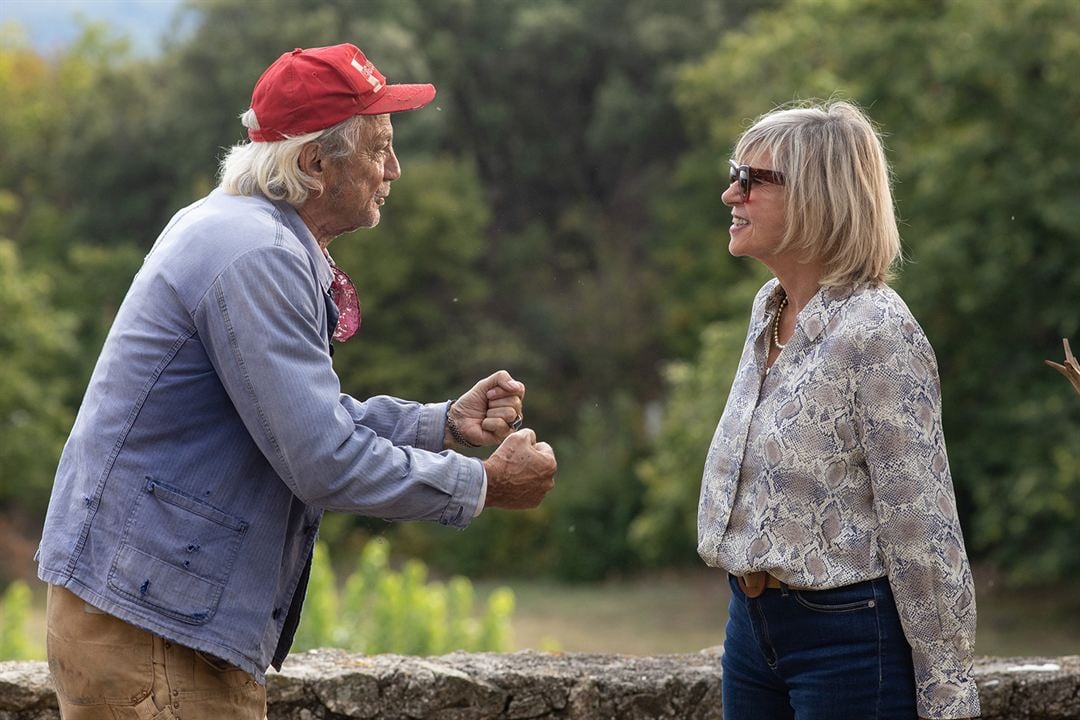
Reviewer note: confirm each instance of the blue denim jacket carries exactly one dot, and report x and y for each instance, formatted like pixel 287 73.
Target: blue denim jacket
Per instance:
pixel 214 434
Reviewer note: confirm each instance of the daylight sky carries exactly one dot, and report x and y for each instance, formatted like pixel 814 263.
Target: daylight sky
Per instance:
pixel 52 24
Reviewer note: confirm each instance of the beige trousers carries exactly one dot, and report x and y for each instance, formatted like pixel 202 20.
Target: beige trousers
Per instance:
pixel 106 669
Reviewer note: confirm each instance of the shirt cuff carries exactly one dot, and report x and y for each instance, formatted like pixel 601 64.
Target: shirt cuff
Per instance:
pixel 467 495
pixel 483 496
pixel 431 427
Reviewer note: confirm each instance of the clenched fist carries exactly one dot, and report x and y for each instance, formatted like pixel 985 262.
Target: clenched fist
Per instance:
pixel 488 412
pixel 520 472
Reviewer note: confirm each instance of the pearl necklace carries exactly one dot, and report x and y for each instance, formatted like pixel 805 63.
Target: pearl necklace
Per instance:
pixel 776 324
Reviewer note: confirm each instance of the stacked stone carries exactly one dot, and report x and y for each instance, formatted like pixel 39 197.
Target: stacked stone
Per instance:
pixel 334 685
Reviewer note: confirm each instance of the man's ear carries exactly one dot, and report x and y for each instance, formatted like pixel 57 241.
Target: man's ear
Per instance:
pixel 311 160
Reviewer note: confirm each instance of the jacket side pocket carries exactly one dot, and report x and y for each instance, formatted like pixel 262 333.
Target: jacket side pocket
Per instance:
pixel 176 553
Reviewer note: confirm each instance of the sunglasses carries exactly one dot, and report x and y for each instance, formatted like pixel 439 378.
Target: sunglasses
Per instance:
pixel 746 176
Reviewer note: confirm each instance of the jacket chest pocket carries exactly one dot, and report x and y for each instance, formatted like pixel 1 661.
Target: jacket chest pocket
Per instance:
pixel 176 553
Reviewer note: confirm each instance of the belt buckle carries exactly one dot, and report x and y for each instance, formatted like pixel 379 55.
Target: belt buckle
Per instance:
pixel 753 585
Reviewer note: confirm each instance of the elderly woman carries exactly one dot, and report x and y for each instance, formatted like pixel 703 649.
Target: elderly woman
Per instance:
pixel 826 494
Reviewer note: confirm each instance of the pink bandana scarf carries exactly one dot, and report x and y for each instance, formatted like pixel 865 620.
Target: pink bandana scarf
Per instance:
pixel 343 293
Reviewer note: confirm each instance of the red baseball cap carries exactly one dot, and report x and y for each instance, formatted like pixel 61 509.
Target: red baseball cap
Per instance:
pixel 309 90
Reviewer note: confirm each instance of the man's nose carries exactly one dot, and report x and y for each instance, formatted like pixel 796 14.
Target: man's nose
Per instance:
pixel 392 168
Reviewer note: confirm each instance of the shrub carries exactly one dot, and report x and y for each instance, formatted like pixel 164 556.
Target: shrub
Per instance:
pixel 381 610
pixel 15 642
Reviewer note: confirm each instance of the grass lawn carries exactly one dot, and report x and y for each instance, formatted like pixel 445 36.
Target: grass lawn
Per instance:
pixel 668 613
pixel 686 612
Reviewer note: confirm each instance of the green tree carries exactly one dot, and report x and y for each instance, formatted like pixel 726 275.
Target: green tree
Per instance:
pixel 36 342
pixel 82 152
pixel 599 496
pixel 665 532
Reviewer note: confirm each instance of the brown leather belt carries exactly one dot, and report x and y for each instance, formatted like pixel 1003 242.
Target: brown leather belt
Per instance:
pixel 754 584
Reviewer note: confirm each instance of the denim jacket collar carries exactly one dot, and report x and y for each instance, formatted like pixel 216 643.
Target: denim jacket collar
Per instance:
pixel 304 234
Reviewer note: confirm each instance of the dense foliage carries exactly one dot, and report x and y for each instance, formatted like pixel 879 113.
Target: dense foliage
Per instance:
pixel 559 216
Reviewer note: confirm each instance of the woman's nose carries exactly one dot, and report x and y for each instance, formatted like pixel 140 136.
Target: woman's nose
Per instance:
pixel 731 196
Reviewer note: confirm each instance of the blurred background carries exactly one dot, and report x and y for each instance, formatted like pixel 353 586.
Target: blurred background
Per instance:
pixel 559 216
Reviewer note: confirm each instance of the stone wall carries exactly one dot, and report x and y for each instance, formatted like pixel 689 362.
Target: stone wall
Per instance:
pixel 334 685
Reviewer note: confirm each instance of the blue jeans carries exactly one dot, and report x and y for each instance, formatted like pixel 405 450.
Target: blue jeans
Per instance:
pixel 817 655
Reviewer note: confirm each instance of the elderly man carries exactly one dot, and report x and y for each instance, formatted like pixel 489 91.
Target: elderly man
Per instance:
pixel 213 433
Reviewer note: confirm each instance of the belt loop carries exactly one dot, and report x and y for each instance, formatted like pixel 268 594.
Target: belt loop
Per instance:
pixel 158 652
pixel 783 589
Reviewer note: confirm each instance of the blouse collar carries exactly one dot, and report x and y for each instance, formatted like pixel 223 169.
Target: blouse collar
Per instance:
pixel 815 316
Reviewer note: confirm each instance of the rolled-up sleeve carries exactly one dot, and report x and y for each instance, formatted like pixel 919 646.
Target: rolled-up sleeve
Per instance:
pixel 261 326
pixel 899 422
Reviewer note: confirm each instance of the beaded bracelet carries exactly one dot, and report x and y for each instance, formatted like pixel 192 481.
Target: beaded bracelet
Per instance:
pixel 453 428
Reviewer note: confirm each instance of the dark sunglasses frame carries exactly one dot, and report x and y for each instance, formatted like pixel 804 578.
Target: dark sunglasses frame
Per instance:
pixel 746 176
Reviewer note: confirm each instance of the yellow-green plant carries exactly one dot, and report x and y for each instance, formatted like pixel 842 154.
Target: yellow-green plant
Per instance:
pixel 495 624
pixel 320 620
pixel 15 642
pixel 382 610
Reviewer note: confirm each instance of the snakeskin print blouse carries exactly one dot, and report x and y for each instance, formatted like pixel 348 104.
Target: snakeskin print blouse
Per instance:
pixel 830 469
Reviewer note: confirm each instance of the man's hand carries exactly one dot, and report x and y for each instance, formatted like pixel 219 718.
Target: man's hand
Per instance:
pixel 520 472
pixel 486 414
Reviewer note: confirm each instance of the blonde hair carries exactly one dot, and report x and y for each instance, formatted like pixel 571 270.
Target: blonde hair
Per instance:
pixel 273 168
pixel 839 195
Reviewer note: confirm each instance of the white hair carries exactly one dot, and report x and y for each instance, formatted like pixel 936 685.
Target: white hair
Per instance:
pixel 273 168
